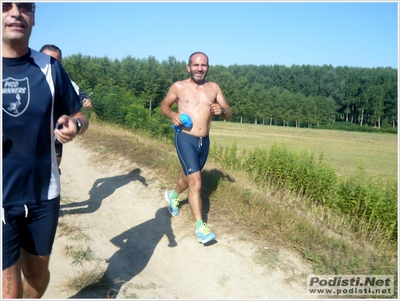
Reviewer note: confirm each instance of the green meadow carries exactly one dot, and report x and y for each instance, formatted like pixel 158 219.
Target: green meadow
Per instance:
pixel 345 151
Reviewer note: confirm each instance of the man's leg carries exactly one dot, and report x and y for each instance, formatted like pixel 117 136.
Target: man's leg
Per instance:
pixel 172 196
pixel 182 184
pixel 194 183
pixel 12 281
pixel 36 273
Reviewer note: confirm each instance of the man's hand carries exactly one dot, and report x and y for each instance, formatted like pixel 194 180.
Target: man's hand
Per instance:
pixel 176 120
pixel 66 129
pixel 215 109
pixel 87 104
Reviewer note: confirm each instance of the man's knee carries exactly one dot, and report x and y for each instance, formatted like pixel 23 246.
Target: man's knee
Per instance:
pixel 36 277
pixel 35 267
pixel 194 181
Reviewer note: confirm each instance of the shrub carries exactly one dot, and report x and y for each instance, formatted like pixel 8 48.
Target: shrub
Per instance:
pixel 373 202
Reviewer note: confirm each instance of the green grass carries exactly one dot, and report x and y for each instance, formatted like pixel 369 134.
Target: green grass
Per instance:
pixel 344 150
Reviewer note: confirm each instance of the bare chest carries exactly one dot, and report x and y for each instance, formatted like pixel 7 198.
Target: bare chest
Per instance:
pixel 196 96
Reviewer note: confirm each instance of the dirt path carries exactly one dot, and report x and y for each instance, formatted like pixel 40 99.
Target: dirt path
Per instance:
pixel 141 252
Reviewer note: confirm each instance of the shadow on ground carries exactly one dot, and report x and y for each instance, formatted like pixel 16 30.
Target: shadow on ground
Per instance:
pixel 136 246
pixel 101 189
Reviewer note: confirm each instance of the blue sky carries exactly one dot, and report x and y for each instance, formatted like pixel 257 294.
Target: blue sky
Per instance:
pixel 353 34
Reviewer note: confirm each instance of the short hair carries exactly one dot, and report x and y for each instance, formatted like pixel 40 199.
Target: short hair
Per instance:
pixel 51 47
pixel 197 52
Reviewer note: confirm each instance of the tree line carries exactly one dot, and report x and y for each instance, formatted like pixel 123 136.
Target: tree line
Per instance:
pixel 130 90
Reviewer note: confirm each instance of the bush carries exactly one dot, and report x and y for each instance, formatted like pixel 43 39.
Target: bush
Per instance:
pixel 373 202
pixel 355 127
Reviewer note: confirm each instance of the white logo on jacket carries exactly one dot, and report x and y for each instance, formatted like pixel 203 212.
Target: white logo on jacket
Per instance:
pixel 16 96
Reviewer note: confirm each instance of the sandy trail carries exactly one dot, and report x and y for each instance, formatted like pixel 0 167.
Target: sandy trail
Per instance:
pixel 141 252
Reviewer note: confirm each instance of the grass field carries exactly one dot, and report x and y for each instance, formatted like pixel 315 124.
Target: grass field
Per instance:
pixel 343 150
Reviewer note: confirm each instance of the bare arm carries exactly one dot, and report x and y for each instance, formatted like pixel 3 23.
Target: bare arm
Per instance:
pixel 168 101
pixel 84 121
pixel 219 104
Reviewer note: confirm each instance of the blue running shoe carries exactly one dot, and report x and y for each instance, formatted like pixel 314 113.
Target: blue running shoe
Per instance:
pixel 204 235
pixel 173 203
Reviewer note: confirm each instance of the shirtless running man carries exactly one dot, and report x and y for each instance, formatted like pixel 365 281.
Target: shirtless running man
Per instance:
pixel 200 99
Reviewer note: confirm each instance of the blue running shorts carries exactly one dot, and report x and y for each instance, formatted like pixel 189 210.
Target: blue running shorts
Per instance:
pixel 192 151
pixel 32 227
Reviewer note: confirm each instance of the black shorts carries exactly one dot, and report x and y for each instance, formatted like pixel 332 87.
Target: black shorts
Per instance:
pixel 192 151
pixel 59 148
pixel 32 227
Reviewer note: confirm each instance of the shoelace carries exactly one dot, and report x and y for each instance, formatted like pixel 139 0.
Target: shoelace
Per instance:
pixel 175 203
pixel 204 229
